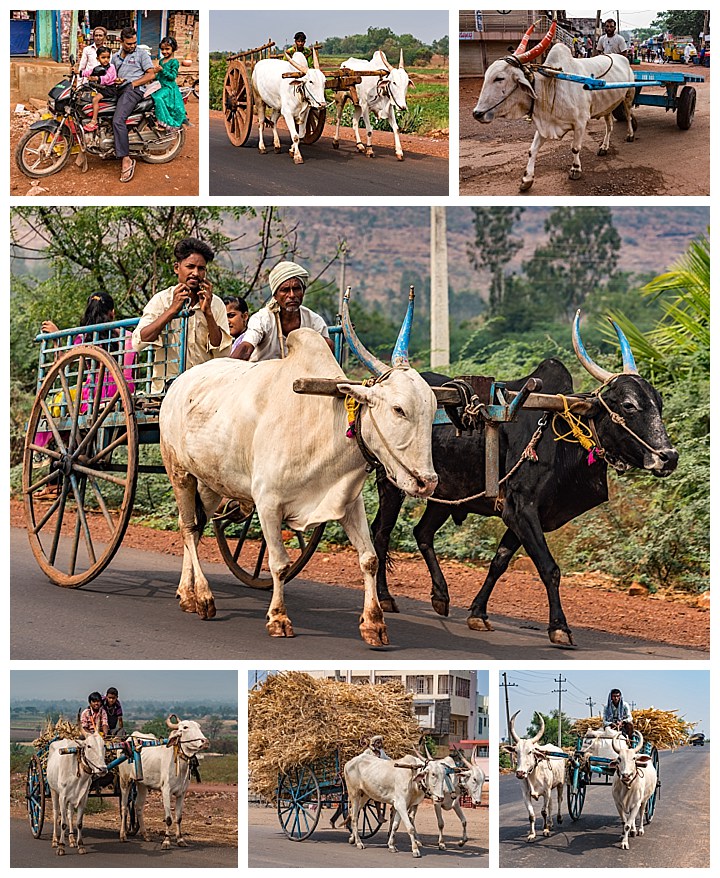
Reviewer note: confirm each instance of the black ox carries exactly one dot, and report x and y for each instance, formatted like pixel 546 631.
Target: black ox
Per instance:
pixel 539 497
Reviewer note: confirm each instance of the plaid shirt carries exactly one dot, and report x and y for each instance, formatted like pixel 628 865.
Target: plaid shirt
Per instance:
pixel 89 719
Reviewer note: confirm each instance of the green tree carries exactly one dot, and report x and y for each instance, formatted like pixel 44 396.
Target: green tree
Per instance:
pixel 681 23
pixel 494 247
pixel 550 736
pixel 579 257
pixel 156 726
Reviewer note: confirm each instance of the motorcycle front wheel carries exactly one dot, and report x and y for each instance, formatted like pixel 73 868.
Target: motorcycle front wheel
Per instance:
pixel 174 146
pixel 41 153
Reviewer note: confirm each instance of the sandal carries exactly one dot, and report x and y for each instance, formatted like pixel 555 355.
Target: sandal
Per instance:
pixel 127 175
pixel 91 126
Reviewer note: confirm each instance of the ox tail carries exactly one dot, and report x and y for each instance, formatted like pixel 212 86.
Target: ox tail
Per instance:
pixel 201 518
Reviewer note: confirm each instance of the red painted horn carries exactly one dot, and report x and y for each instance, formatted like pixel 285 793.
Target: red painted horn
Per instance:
pixel 536 51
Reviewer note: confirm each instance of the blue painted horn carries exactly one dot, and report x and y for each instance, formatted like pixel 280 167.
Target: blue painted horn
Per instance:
pixel 400 351
pixel 629 367
pixel 596 371
pixel 370 361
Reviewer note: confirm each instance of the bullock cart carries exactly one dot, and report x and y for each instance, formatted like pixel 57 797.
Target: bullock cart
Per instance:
pixel 238 100
pixel 586 770
pixel 96 404
pixel 37 789
pixel 304 790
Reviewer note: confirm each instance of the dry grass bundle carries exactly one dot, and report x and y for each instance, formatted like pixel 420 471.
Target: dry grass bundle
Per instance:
pixel 663 728
pixel 295 719
pixel 63 728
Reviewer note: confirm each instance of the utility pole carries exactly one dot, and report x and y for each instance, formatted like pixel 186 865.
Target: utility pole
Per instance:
pixel 560 680
pixel 590 703
pixel 439 309
pixel 506 686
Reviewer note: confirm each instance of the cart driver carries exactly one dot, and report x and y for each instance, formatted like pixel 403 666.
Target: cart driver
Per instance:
pixel 299 46
pixel 376 747
pixel 94 718
pixel 114 710
pixel 611 42
pixel 208 335
pixel 268 327
pixel 617 714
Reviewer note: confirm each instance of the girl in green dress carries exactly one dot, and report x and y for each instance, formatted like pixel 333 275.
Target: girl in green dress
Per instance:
pixel 169 106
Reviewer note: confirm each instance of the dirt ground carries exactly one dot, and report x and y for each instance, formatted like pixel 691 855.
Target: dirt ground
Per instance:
pixel 590 600
pixel 178 177
pixel 210 814
pixel 663 160
pixel 437 144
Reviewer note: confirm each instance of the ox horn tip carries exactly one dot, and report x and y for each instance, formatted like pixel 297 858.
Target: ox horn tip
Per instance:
pixel 346 294
pixel 411 296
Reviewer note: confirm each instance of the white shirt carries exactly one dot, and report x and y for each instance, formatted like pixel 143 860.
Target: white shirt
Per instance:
pixel 262 332
pixel 614 45
pixel 88 59
pixel 167 344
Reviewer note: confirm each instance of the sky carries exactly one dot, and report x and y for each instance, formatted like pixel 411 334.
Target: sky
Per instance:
pixel 628 20
pixel 235 31
pixel 132 685
pixel 688 692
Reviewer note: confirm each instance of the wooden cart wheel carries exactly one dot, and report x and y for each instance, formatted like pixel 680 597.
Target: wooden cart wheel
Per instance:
pixel 576 789
pixel 79 466
pixel 35 796
pixel 244 549
pixel 237 103
pixel 315 124
pixel 651 803
pixel 298 803
pixel 371 819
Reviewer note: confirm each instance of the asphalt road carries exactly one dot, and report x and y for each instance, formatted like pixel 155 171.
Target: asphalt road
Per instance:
pixel 104 851
pixel 326 171
pixel 678 837
pixel 130 612
pixel 328 848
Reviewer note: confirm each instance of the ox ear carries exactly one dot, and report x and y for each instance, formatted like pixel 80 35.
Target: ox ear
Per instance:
pixel 526 85
pixel 411 83
pixel 643 759
pixel 357 391
pixel 508 748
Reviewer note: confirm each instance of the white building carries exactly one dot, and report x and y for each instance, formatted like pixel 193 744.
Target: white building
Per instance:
pixel 446 703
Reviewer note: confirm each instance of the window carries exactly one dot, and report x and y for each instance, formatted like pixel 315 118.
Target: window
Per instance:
pixel 453 726
pixel 422 710
pixel 358 680
pixel 381 679
pixel 420 685
pixel 462 687
pixel 444 684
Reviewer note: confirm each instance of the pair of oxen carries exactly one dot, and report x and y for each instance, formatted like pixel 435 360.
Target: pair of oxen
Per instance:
pixel 234 429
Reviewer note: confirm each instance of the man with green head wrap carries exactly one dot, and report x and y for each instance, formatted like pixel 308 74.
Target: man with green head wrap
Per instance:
pixel 268 328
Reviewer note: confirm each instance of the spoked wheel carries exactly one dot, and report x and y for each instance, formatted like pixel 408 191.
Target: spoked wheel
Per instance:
pixel 132 825
pixel 298 803
pixel 244 549
pixel 35 796
pixel 315 124
pixel 237 103
pixel 576 788
pixel 43 153
pixel 651 803
pixel 79 466
pixel 371 819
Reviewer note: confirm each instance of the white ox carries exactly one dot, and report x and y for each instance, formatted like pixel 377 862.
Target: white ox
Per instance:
pixel 400 784
pixel 540 770
pixel 634 783
pixel 381 94
pixel 69 777
pixel 165 768
pixel 235 429
pixel 511 90
pixel 292 98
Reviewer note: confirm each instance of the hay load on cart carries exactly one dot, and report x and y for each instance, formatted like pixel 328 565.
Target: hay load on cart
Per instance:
pixel 295 719
pixel 664 728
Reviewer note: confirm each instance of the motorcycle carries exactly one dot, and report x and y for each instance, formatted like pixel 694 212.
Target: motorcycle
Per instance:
pixel 47 145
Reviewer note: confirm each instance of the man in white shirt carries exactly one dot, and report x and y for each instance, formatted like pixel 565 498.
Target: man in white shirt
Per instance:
pixel 611 43
pixel 208 335
pixel 268 328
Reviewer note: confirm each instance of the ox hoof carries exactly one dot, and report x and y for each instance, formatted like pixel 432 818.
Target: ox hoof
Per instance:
pixel 277 148
pixel 54 844
pixel 530 838
pixel 82 850
pixel 478 624
pixel 336 144
pixel 165 846
pixel 416 854
pixel 262 150
pixel 389 606
pixel 602 151
pixel 546 833
pixel 298 159
pixel 526 184
pixel 187 603
pixel 575 173
pixel 630 138
pixel 462 842
pixel 146 836
pixel 442 847
pixel 374 633
pixel 399 156
pixel 369 153
pixel 280 626
pixel 360 147
pixel 558 637
pixel 60 850
pixel 206 608
pixel 181 843
pixel 441 607
pixel 123 839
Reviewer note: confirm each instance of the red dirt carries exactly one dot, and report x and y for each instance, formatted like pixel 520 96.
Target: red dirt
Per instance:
pixel 589 600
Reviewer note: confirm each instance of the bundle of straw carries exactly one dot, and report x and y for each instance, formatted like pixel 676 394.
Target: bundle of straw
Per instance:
pixel 295 719
pixel 663 728
pixel 63 728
